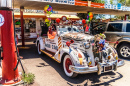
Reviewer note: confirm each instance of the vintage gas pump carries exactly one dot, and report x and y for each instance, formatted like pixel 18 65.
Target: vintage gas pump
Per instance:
pixel 9 55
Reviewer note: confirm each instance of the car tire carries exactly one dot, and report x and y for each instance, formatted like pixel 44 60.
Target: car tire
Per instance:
pixel 124 51
pixel 66 62
pixel 38 48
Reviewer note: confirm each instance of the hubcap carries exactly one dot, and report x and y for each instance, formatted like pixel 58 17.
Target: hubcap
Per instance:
pixel 67 64
pixel 125 51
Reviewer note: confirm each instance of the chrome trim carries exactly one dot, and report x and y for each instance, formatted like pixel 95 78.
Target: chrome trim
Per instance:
pixel 124 39
pixel 98 68
pixel 120 63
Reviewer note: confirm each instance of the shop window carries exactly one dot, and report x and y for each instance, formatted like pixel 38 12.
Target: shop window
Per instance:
pixel 17 25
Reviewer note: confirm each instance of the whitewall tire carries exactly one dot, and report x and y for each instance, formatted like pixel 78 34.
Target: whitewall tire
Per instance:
pixel 66 63
pixel 38 48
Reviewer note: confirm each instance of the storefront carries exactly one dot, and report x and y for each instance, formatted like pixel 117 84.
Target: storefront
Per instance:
pixel 34 20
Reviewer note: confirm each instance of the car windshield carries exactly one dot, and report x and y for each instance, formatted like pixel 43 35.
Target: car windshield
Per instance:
pixel 63 29
pixel 69 29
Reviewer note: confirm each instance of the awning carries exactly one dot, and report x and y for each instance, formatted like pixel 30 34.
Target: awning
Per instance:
pixel 39 5
pixel 41 15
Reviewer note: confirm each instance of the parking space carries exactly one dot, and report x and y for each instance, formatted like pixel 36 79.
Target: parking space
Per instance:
pixel 50 73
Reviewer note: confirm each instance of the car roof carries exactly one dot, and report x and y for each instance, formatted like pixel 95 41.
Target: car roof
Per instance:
pixel 121 21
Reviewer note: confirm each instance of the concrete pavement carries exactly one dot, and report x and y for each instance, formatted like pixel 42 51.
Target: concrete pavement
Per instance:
pixel 50 73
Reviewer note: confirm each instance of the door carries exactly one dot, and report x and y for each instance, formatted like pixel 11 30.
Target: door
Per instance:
pixel 114 32
pixel 127 30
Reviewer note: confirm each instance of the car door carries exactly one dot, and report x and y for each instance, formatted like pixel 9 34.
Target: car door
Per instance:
pixel 127 30
pixel 114 32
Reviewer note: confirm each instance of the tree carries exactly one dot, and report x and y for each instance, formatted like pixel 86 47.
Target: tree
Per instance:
pixel 124 2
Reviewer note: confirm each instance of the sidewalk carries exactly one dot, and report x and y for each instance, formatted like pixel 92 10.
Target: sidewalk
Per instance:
pixel 20 71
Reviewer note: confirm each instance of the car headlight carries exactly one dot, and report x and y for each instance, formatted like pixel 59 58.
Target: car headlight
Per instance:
pixel 96 59
pixel 87 45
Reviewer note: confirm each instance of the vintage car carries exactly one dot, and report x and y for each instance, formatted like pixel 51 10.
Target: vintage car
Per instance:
pixel 78 52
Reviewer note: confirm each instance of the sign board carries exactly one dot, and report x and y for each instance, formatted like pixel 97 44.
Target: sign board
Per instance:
pixel 117 7
pixel 17 10
pixel 71 2
pixel 1 20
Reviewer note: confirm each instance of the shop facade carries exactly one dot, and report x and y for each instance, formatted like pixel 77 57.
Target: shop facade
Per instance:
pixel 34 20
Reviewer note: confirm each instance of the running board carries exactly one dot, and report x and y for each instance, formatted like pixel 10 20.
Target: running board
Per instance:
pixel 50 54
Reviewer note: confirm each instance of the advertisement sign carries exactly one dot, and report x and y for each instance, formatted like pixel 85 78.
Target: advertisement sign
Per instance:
pixel 32 11
pixel 117 7
pixel 71 2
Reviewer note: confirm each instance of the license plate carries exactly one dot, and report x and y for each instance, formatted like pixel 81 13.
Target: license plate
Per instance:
pixel 108 68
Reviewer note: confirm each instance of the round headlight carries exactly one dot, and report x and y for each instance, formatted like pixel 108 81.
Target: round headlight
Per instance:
pixel 96 59
pixel 87 45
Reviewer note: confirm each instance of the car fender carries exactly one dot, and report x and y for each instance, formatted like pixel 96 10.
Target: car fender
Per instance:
pixel 72 55
pixel 40 40
pixel 124 39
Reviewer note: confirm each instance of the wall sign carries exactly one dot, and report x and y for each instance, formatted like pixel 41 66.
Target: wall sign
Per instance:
pixel 117 7
pixel 1 20
pixel 71 2
pixel 32 11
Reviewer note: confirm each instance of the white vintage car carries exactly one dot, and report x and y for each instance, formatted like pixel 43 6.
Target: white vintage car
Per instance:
pixel 78 56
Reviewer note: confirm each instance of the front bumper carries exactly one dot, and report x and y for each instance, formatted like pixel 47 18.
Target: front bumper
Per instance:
pixel 100 68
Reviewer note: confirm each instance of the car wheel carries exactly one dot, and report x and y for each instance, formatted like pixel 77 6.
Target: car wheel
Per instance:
pixel 38 48
pixel 124 51
pixel 66 63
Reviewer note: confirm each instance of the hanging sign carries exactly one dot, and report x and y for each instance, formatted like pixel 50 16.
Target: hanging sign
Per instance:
pixel 1 20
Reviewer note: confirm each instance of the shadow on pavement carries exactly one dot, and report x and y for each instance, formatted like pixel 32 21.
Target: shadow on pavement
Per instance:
pixel 85 79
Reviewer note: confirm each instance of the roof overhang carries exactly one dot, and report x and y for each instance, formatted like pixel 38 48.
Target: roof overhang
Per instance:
pixel 39 5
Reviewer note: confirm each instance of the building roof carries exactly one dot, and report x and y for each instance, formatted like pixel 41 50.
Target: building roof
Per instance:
pixel 39 5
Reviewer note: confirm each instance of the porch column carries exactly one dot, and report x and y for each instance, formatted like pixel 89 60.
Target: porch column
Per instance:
pixel 126 16
pixel 22 25
pixel 38 27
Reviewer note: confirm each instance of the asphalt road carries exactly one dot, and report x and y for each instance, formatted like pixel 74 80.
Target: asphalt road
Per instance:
pixel 50 73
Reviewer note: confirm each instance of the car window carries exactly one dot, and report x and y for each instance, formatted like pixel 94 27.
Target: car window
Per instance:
pixel 115 27
pixel 63 29
pixel 128 27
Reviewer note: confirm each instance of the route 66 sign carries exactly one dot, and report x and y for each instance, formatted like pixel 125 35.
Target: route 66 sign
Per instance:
pixel 1 20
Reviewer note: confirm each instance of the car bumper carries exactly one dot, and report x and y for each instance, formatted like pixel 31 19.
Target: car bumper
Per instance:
pixel 100 68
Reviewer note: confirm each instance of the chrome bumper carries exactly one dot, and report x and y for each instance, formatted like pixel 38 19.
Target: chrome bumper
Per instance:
pixel 120 63
pixel 99 68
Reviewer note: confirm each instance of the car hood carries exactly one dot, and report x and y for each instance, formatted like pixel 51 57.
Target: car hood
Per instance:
pixel 77 36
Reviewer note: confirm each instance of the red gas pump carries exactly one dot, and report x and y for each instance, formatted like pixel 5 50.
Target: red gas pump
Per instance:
pixel 9 55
